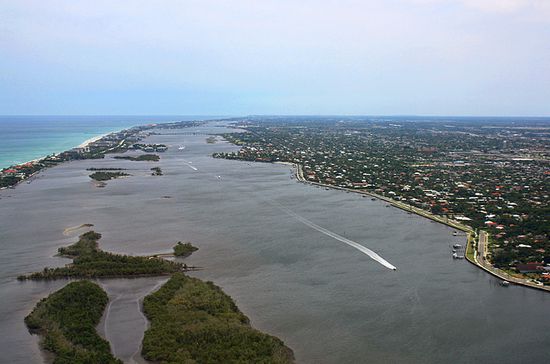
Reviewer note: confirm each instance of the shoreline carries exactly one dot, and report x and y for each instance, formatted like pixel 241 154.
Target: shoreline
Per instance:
pixel 96 138
pixel 84 144
pixel 470 233
pixel 37 165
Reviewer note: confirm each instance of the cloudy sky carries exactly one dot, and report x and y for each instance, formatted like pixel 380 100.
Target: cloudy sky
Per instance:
pixel 424 57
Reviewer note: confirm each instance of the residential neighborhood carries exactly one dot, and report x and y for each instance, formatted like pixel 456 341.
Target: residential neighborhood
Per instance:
pixel 494 177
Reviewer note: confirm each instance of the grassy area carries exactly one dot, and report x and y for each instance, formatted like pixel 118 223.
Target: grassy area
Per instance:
pixel 184 249
pixel 89 262
pixel 470 247
pixel 195 322
pixel 66 320
pixel 143 157
pixel 105 176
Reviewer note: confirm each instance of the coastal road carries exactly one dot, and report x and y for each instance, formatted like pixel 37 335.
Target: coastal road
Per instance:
pixel 482 248
pixel 481 261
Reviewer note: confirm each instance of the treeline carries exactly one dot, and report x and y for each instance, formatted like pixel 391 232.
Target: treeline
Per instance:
pixel 67 319
pixel 91 262
pixel 196 322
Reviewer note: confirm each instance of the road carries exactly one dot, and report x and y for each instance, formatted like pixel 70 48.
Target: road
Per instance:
pixel 482 249
pixel 482 262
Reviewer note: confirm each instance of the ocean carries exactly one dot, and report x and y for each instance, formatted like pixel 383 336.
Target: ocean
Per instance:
pixel 24 138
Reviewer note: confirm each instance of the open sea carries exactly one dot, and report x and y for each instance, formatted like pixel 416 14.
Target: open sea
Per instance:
pixel 24 138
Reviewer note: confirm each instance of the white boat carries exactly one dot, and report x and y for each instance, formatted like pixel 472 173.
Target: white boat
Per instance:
pixel 505 283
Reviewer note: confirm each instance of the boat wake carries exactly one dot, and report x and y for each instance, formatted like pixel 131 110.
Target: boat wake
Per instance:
pixel 332 234
pixel 188 164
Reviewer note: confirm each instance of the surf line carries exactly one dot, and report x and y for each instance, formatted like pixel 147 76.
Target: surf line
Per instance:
pixel 327 232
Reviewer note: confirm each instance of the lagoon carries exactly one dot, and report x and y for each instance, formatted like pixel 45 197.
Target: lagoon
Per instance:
pixel 329 302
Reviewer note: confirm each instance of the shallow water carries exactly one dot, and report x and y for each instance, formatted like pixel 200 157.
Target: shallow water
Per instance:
pixel 327 301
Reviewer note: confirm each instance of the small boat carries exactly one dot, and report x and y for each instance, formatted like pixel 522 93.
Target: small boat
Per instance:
pixel 181 148
pixel 455 233
pixel 504 283
pixel 457 246
pixel 456 256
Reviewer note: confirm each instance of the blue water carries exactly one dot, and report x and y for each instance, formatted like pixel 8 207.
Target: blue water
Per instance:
pixel 24 138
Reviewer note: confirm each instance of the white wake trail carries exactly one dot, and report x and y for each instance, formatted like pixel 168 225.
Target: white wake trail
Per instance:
pixel 188 164
pixel 327 232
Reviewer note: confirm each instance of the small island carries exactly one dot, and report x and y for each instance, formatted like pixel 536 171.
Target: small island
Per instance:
pixel 156 171
pixel 196 322
pixel 184 249
pixel 67 319
pixel 140 158
pixel 106 176
pixel 191 321
pixel 91 262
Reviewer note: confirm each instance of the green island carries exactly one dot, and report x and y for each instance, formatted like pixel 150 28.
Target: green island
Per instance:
pixel 91 262
pixel 184 249
pixel 106 176
pixel 196 322
pixel 156 171
pixel 140 158
pixel 66 320
pixel 191 321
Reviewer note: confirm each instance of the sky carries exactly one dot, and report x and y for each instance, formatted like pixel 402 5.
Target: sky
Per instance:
pixel 240 57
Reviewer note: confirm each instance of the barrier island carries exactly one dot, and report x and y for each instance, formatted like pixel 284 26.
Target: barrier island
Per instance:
pixel 67 319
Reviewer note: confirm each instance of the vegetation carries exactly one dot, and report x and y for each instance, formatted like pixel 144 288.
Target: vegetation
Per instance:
pixel 156 171
pixel 195 322
pixel 105 176
pixel 67 319
pixel 184 249
pixel 89 262
pixel 150 147
pixel 140 158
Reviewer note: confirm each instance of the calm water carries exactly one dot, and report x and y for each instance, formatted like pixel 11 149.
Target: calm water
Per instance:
pixel 326 300
pixel 25 138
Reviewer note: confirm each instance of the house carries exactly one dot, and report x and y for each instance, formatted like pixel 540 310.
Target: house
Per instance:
pixel 531 267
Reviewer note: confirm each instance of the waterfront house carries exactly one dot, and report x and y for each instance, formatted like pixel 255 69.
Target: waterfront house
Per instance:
pixel 531 267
